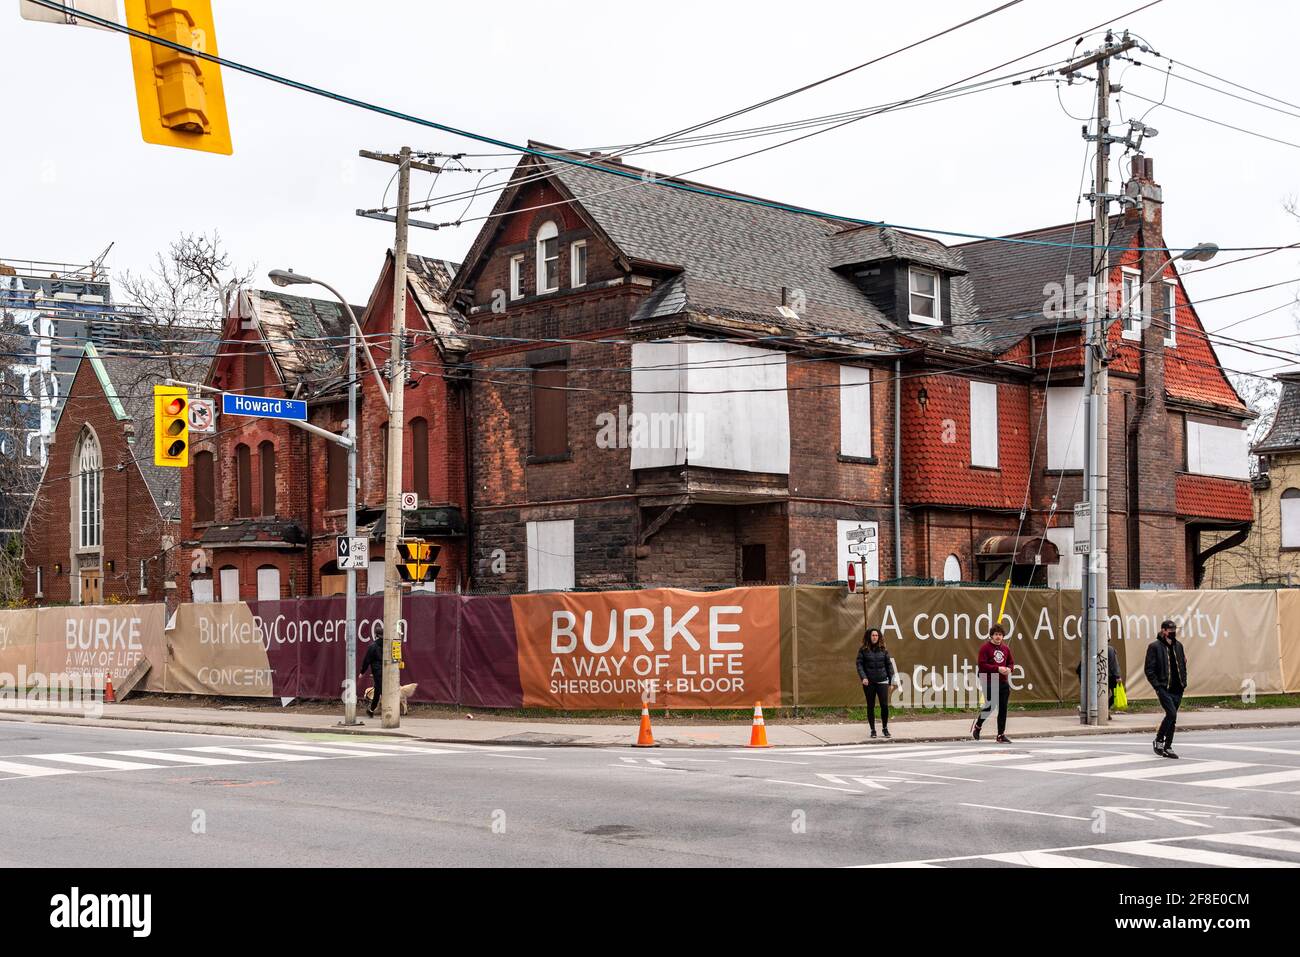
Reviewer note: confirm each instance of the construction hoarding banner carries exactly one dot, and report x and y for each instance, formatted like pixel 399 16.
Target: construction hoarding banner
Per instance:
pixel 676 648
pixel 670 647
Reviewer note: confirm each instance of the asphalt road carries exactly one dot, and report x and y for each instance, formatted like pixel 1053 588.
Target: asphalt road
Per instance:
pixel 87 796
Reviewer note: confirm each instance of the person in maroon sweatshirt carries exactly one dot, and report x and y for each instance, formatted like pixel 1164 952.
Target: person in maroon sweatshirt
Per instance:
pixel 995 664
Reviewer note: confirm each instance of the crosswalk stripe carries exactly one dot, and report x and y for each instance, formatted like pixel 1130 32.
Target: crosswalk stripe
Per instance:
pixel 1264 841
pixel 988 757
pixel 1172 768
pixel 261 755
pixel 30 770
pixel 891 754
pixel 342 752
pixel 408 748
pixel 174 756
pixel 1082 763
pixel 1253 780
pixel 112 764
pixel 1193 855
pixel 1047 859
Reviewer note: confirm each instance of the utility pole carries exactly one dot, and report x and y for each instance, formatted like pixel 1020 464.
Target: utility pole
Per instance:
pixel 393 631
pixel 1096 610
pixel 350 690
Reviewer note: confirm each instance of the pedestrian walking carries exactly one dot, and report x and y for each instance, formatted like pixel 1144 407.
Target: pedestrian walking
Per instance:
pixel 876 669
pixel 994 668
pixel 374 662
pixel 1166 670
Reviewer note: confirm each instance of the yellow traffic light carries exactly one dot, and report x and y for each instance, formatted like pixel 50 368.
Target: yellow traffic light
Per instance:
pixel 181 100
pixel 171 426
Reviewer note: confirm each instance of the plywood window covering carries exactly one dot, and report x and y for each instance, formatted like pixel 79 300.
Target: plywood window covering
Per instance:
pixel 420 458
pixel 205 487
pixel 550 411
pixel 244 477
pixel 266 456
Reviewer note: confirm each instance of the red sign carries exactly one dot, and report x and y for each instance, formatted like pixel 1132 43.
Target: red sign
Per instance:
pixel 853 577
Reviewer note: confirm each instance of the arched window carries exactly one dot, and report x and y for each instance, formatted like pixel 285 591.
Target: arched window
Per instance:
pixel 420 458
pixel 205 487
pixel 1291 518
pixel 244 481
pixel 548 258
pixel 266 457
pixel 89 491
pixel 952 569
pixel 336 476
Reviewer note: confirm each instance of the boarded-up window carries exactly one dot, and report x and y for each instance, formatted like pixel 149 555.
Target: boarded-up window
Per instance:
pixel 984 425
pixel 550 411
pixel 1291 518
pixel 1065 427
pixel 254 370
pixel 753 563
pixel 550 555
pixel 855 411
pixel 244 479
pixel 230 584
pixel 420 458
pixel 205 487
pixel 266 456
pixel 1217 450
pixel 268 583
pixel 336 461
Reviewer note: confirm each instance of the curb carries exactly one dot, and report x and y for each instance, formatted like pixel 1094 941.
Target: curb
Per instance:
pixel 208 727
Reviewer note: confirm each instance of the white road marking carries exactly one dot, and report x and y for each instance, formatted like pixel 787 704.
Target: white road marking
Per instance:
pixel 805 784
pixel 259 755
pixel 768 760
pixel 349 751
pixel 1019 810
pixel 1047 859
pixel 1172 768
pixel 1239 747
pixel 1083 763
pixel 1264 841
pixel 646 767
pixel 989 757
pixel 175 756
pixel 1194 855
pixel 31 770
pixel 1250 780
pixel 946 777
pixel 111 763
pixel 892 755
pixel 1129 797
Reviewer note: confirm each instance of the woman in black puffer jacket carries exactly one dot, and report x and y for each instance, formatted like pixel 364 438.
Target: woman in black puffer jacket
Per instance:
pixel 876 669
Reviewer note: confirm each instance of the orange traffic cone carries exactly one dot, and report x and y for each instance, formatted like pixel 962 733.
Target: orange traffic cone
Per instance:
pixel 108 690
pixel 758 736
pixel 644 738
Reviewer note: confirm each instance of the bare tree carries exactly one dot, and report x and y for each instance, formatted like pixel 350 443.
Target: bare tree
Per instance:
pixel 20 470
pixel 175 310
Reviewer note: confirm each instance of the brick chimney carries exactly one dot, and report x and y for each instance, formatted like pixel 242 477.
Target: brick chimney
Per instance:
pixel 1143 188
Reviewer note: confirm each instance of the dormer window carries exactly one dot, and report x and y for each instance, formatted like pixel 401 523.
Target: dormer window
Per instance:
pixel 548 258
pixel 923 297
pixel 516 277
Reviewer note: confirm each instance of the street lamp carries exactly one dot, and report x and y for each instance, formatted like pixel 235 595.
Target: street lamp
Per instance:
pixel 283 277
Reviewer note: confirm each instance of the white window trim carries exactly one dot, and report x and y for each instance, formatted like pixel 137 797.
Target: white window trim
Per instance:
pixel 938 297
pixel 1127 330
pixel 547 232
pixel 573 264
pixel 1171 314
pixel 90 492
pixel 517 276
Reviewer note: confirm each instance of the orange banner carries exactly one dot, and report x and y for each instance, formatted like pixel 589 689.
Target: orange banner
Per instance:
pixel 670 647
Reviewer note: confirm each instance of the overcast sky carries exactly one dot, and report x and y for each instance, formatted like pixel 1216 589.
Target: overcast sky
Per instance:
pixel 76 175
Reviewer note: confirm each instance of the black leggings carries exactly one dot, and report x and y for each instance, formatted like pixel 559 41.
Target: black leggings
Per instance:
pixel 880 690
pixel 995 690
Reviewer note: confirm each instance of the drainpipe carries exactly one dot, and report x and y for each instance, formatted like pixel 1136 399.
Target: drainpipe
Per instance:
pixel 898 469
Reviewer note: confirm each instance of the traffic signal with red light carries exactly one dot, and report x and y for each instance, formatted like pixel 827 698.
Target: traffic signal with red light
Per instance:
pixel 171 426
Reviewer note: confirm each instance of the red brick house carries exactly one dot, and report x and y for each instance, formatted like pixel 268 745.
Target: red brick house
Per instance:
pixel 672 388
pixel 105 519
pixel 265 500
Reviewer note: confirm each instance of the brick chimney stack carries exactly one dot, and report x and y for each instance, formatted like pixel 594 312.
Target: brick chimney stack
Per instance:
pixel 1143 188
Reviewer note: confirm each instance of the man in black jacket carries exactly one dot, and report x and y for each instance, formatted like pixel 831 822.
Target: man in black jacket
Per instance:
pixel 1166 669
pixel 373 661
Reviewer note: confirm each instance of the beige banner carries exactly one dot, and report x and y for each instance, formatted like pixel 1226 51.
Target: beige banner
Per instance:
pixel 100 639
pixel 1231 638
pixel 217 649
pixel 17 643
pixel 1288 627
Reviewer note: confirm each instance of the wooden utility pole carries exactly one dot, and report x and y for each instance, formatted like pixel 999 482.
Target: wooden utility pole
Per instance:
pixel 1096 610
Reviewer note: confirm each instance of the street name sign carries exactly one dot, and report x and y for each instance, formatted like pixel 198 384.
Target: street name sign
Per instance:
pixel 263 407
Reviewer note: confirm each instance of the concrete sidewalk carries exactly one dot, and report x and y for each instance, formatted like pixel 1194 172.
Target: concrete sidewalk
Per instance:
pixel 543 733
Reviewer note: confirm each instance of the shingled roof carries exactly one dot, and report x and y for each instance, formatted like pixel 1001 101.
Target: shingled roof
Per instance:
pixel 304 336
pixel 734 259
pixel 1284 436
